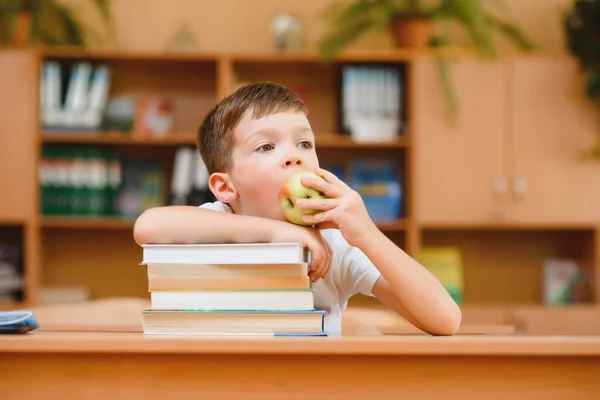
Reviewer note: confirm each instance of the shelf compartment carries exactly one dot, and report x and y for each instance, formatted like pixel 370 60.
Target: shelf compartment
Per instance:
pixel 503 266
pixel 105 262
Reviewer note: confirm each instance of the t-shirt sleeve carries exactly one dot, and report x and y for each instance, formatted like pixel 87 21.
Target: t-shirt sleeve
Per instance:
pixel 216 206
pixel 359 274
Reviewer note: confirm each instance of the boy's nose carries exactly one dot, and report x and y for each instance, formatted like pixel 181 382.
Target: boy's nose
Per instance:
pixel 292 161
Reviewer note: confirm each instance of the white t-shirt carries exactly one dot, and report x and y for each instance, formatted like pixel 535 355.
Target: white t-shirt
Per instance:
pixel 351 272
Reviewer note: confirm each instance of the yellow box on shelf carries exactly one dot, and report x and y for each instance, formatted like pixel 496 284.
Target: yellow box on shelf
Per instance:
pixel 445 263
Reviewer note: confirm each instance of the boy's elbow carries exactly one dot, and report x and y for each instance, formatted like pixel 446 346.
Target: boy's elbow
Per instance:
pixel 145 228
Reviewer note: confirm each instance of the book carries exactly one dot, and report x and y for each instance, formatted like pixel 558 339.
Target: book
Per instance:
pixel 242 289
pixel 230 253
pixel 156 283
pixel 564 282
pixel 168 270
pixel 17 322
pixel 239 300
pixel 220 323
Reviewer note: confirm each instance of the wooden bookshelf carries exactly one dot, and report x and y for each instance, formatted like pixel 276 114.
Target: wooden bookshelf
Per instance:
pixel 449 172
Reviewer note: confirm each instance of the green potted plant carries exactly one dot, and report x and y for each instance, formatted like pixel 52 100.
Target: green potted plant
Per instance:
pixel 45 22
pixel 581 25
pixel 414 24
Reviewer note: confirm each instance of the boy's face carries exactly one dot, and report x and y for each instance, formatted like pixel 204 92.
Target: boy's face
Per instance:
pixel 265 152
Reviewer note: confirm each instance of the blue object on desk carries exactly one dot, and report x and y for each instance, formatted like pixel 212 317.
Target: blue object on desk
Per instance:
pixel 17 322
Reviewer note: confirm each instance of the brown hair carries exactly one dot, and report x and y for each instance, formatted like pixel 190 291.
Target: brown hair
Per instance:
pixel 215 135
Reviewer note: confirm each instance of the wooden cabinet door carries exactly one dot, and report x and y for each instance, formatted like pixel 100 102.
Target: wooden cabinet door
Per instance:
pixel 18 124
pixel 553 124
pixel 461 167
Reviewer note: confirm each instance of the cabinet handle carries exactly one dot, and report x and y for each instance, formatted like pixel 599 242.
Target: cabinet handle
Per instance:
pixel 500 185
pixel 520 185
pixel 500 189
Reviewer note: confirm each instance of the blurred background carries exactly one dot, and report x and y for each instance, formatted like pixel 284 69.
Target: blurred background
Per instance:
pixel 470 128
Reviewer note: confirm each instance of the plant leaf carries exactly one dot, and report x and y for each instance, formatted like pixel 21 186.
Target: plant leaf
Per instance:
pixel 513 33
pixel 59 25
pixel 501 7
pixel 350 22
pixel 329 45
pixel 447 87
pixel 103 7
pixel 9 15
pixel 471 16
pixel 73 28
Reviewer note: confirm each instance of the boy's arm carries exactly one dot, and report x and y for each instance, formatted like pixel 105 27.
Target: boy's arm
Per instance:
pixel 410 289
pixel 189 224
pixel 405 285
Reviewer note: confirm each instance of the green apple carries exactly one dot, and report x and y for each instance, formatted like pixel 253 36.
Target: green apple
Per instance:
pixel 291 191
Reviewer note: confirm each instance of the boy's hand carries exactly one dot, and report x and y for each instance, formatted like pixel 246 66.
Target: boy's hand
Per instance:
pixel 321 254
pixel 344 209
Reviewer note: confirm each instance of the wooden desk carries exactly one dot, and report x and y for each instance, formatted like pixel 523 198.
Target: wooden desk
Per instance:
pixel 135 367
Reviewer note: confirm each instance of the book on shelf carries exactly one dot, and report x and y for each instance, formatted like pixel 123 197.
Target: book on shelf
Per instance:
pixel 76 103
pixel 76 99
pixel 230 289
pixel 87 181
pixel 372 102
pixel 79 181
pixel 565 281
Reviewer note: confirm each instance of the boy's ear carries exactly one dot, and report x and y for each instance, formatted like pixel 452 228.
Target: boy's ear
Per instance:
pixel 222 187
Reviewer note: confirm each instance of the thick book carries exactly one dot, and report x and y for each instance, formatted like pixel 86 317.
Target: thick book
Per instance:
pixel 233 323
pixel 240 300
pixel 156 283
pixel 226 253
pixel 227 270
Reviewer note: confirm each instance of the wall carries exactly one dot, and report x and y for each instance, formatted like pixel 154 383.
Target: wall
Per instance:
pixel 243 25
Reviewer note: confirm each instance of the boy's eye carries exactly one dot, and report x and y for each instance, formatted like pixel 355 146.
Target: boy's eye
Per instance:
pixel 265 147
pixel 305 144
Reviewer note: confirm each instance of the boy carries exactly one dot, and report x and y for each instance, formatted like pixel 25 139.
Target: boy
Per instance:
pixel 251 142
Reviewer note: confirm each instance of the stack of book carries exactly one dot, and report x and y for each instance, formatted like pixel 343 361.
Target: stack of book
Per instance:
pixel 230 289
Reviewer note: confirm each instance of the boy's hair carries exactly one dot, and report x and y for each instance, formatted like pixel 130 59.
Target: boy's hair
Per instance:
pixel 215 135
